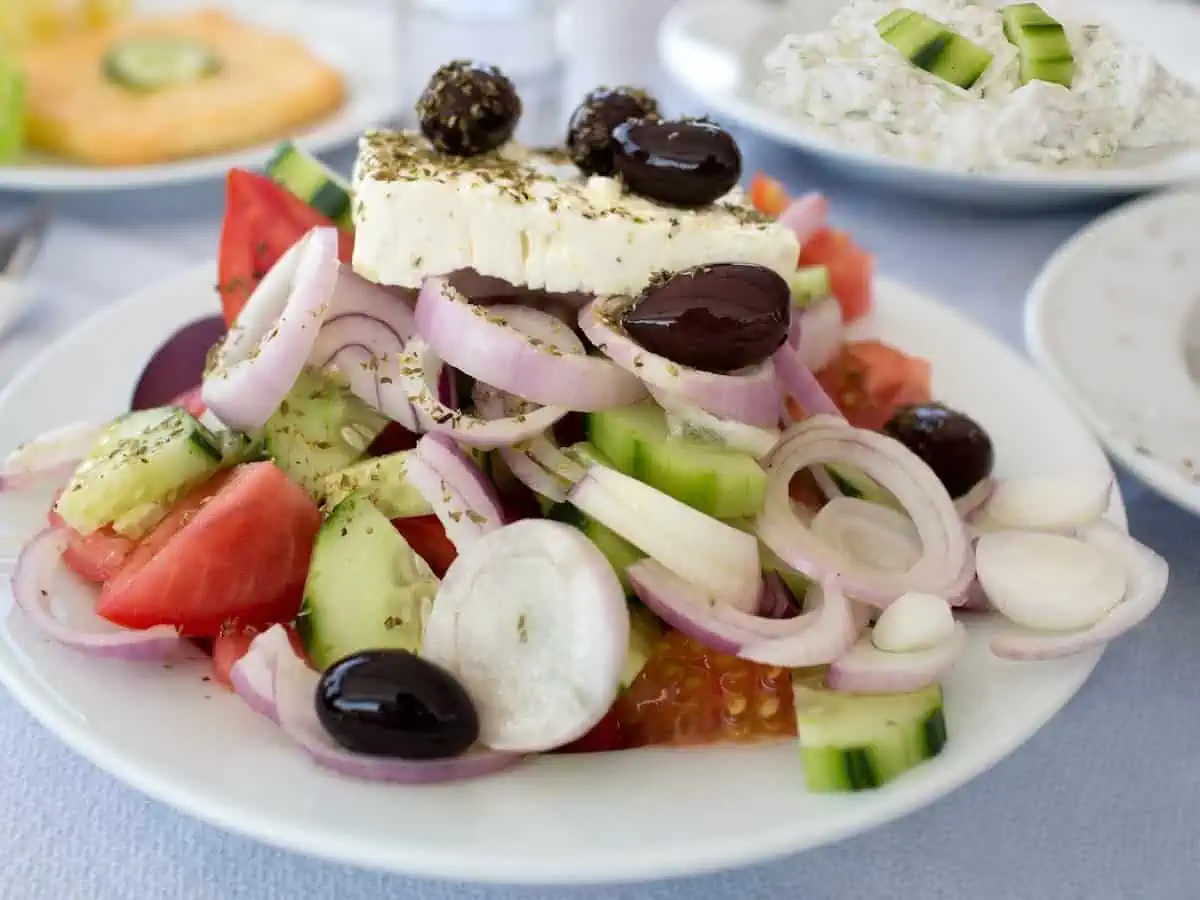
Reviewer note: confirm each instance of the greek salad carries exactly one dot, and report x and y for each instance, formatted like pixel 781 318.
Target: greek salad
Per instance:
pixel 497 451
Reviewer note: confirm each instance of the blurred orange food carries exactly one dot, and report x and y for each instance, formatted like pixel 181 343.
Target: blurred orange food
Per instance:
pixel 24 22
pixel 260 86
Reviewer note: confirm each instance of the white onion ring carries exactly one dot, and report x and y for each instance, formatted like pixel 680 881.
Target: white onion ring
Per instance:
pixel 522 351
pixel 419 364
pixel 267 347
pixel 749 396
pixel 39 563
pixel 1146 577
pixel 812 638
pixel 289 703
pixel 894 467
pixel 865 669
pixel 49 457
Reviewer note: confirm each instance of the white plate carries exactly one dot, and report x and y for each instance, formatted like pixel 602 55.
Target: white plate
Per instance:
pixel 351 37
pixel 715 49
pixel 621 816
pixel 1113 319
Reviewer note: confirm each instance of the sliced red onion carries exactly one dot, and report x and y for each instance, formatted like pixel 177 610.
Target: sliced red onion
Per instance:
pixel 448 505
pixel 688 420
pixel 865 669
pixel 49 457
pixel 269 344
pixel 38 566
pixel 872 535
pixel 533 621
pixel 522 351
pixel 818 333
pixel 812 638
pixel 367 353
pixel 419 368
pixel 178 365
pixel 777 600
pixel 465 478
pixel 537 463
pixel 806 215
pixel 1059 502
pixel 749 396
pixel 975 498
pixel 1146 579
pixel 696 547
pixel 823 439
pixel 356 296
pixel 801 384
pixel 292 687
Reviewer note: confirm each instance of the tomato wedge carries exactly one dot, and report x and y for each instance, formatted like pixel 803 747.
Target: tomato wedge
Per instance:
pixel 427 537
pixel 605 736
pixel 768 194
pixel 262 220
pixel 234 550
pixel 869 380
pixel 851 269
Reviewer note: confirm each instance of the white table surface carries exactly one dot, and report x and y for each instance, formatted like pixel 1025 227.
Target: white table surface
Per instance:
pixel 1103 804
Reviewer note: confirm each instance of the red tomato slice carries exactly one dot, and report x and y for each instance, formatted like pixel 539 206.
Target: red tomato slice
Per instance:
pixel 427 537
pixel 96 557
pixel 850 269
pixel 262 220
pixel 191 402
pixel 768 195
pixel 605 736
pixel 869 380
pixel 234 642
pixel 235 549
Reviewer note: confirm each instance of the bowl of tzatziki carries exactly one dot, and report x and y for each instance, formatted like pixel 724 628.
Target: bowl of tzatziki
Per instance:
pixel 1004 102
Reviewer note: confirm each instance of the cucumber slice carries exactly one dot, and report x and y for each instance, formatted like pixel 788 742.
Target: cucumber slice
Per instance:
pixel 939 50
pixel 1045 50
pixel 313 182
pixel 144 459
pixel 809 284
pixel 383 482
pixel 319 429
pixel 12 109
pixel 854 742
pixel 722 483
pixel 156 63
pixel 367 589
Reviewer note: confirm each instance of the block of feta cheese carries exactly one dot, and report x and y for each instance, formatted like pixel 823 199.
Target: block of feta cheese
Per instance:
pixel 533 219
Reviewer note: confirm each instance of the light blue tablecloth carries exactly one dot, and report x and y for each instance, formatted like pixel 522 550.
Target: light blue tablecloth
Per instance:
pixel 1103 804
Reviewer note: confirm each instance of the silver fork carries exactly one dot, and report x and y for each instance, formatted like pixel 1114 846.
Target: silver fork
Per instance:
pixel 19 246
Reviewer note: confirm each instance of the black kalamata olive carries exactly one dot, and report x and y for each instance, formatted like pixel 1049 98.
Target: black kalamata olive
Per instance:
pixel 717 318
pixel 953 444
pixel 589 134
pixel 393 703
pixel 682 163
pixel 468 108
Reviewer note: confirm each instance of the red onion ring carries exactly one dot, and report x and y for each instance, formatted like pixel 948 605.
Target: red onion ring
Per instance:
pixel 777 600
pixel 810 639
pixel 448 504
pixel 817 333
pixel 419 365
pixel 799 382
pixel 805 216
pixel 49 457
pixel 39 563
pixel 526 460
pixel 1146 576
pixel 866 669
pixel 265 351
pixel 685 419
pixel 356 296
pixel 292 688
pixel 522 351
pixel 823 439
pixel 750 396
pixel 462 474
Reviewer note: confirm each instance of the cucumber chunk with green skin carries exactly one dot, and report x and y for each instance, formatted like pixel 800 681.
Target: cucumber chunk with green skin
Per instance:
pixel 1044 49
pixel 930 45
pixel 382 481
pixel 313 182
pixel 367 589
pixel 808 285
pixel 12 109
pixel 156 63
pixel 855 742
pixel 722 483
pixel 319 428
pixel 144 459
